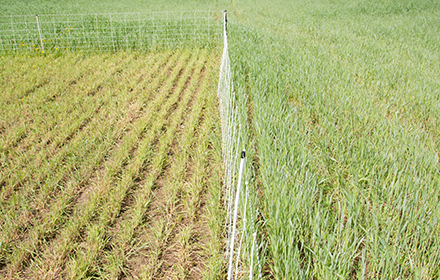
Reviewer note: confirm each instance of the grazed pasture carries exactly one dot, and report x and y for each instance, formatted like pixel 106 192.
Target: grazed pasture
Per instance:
pixel 108 165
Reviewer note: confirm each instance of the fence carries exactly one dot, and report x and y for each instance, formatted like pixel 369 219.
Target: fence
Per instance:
pixel 111 31
pixel 242 249
pixel 143 31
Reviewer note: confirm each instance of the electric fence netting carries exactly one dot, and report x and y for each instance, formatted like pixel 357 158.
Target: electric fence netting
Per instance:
pixel 242 248
pixel 110 31
pixel 122 31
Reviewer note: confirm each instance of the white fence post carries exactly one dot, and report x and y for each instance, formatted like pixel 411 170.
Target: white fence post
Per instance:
pixel 234 222
pixel 251 269
pixel 39 33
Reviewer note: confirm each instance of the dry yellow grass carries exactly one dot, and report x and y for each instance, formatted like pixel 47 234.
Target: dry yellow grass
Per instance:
pixel 106 168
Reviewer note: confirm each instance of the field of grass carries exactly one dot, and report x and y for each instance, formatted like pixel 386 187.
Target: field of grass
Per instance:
pixel 23 7
pixel 345 113
pixel 110 165
pixel 340 103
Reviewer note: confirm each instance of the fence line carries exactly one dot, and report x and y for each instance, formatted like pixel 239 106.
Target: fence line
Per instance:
pixel 242 248
pixel 111 31
pixel 141 31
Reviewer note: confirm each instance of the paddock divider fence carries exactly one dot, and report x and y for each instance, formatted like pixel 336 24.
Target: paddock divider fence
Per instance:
pixel 108 31
pixel 242 247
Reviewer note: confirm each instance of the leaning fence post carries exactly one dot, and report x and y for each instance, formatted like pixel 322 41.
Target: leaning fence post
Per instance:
pixel 251 269
pixel 39 32
pixel 234 223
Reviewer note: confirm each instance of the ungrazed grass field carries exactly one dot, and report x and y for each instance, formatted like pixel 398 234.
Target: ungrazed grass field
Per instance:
pixel 345 99
pixel 108 165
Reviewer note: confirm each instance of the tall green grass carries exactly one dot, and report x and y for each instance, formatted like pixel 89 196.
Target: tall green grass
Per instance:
pixel 22 7
pixel 345 116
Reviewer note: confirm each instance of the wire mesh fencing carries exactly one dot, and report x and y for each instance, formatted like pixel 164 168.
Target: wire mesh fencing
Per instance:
pixel 111 31
pixel 121 31
pixel 242 246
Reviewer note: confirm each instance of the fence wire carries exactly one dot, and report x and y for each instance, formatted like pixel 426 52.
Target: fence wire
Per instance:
pixel 111 31
pixel 119 31
pixel 242 248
